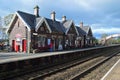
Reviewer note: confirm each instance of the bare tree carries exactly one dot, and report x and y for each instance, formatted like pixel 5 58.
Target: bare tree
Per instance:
pixel 0 21
pixel 7 19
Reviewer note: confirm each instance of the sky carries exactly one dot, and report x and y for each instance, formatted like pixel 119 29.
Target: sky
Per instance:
pixel 102 15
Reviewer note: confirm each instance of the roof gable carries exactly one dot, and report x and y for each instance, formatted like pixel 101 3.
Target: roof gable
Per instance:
pixel 53 26
pixel 29 19
pixel 68 24
pixel 26 18
pixel 90 32
pixel 42 20
pixel 43 29
pixel 85 28
pixel 71 29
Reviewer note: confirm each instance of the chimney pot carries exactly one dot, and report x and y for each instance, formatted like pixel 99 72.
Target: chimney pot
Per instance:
pixel 63 18
pixel 53 15
pixel 36 11
pixel 81 24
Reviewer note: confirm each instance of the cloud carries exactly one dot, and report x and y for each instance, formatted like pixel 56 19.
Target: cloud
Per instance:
pixel 97 32
pixel 106 30
pixel 76 4
pixel 102 15
pixel 91 5
pixel 108 24
pixel 24 5
pixel 101 28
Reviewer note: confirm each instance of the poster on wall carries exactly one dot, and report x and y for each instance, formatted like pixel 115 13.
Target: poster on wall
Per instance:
pixel 18 39
pixel 48 41
pixel 18 35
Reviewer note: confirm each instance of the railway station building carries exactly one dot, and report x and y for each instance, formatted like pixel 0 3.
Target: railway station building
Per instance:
pixel 28 32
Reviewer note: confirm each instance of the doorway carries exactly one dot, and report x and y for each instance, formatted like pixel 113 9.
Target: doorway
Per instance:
pixel 24 43
pixel 13 45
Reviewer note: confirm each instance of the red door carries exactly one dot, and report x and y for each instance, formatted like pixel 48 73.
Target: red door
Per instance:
pixel 24 42
pixel 13 45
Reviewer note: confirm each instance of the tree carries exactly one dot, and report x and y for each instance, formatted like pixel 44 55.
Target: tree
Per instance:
pixel 0 27
pixel 118 40
pixel 0 22
pixel 7 19
pixel 95 41
pixel 104 35
pixel 4 22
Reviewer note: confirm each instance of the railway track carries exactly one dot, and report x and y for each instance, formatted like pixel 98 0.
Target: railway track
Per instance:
pixel 75 73
pixel 101 70
pixel 91 68
pixel 55 72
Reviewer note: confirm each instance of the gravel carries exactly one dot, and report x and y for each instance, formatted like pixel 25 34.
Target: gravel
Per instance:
pixel 94 75
pixel 100 71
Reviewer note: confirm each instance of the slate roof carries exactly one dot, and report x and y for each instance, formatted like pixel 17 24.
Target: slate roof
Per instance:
pixel 28 18
pixel 81 31
pixel 55 26
pixel 31 20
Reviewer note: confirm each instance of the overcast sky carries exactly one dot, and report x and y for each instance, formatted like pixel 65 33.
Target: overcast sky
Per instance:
pixel 102 15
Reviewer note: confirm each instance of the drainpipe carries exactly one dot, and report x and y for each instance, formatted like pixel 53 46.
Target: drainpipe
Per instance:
pixel 28 39
pixel 64 41
pixel 84 40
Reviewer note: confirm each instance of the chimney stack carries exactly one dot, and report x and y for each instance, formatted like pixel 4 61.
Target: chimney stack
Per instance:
pixel 63 18
pixel 53 15
pixel 36 11
pixel 81 24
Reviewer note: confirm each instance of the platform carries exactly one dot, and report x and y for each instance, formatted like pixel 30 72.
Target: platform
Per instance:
pixel 113 73
pixel 11 57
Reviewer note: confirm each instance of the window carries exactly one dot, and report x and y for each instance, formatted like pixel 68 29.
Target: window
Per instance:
pixel 41 41
pixel 71 39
